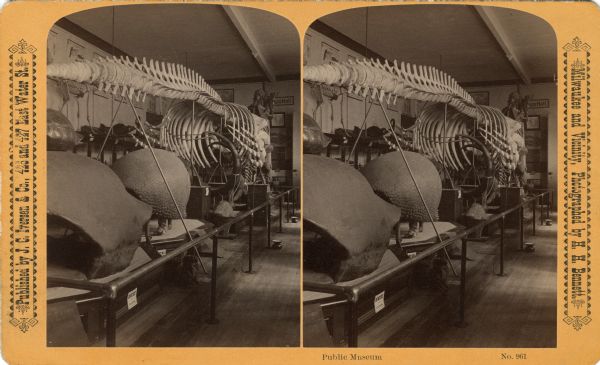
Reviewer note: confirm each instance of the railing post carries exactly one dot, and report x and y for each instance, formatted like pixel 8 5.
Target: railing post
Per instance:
pixel 463 283
pixel 287 206
pixel 111 322
pixel 293 202
pixel 213 282
pixel 250 231
pixel 534 203
pixel 268 209
pixel 502 225
pixel 281 214
pixel 522 233
pixel 352 324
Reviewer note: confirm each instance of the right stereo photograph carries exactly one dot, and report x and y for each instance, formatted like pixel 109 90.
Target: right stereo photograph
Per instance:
pixel 429 178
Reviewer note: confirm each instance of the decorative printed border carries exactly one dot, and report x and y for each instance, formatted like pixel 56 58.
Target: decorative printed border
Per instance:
pixel 577 225
pixel 23 186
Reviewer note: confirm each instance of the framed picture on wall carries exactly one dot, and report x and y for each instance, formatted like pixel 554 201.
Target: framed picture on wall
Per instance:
pixel 52 41
pixel 329 54
pixel 533 139
pixel 538 103
pixel 481 97
pixel 533 122
pixel 307 49
pixel 278 120
pixel 227 95
pixel 74 51
pixel 283 100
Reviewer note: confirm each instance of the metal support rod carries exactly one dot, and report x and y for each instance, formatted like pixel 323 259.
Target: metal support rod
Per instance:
pixel 445 138
pixel 213 282
pixel 502 225
pixel 111 322
pixel 359 134
pixel 293 203
pixel 250 231
pixel 109 130
pixel 353 324
pixel 268 210
pixel 139 122
pixel 463 283
pixel 281 214
pixel 533 220
pixel 522 220
pixel 550 203
pixel 412 176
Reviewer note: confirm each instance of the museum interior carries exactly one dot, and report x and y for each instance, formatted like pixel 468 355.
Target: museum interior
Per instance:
pixel 429 178
pixel 173 212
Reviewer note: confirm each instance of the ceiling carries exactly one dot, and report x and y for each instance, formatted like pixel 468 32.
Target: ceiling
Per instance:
pixel 203 37
pixel 456 39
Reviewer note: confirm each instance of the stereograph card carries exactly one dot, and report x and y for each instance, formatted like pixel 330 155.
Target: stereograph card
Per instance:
pixel 383 182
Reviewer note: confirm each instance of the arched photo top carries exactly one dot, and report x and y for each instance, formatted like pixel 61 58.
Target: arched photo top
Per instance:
pixel 222 43
pixel 474 44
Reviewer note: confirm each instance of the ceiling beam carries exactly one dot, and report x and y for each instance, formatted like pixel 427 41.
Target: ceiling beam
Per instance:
pixel 344 40
pixel 493 24
pixel 237 18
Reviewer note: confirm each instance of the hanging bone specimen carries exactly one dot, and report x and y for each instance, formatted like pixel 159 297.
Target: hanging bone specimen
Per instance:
pixel 314 141
pixel 136 79
pixel 60 134
pixel 388 82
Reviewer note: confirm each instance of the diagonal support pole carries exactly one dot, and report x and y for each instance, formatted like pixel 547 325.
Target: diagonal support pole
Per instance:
pixel 412 176
pixel 147 140
pixel 109 131
pixel 362 127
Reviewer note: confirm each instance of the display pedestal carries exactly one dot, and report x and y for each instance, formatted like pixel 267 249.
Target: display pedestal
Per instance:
pixel 450 208
pixel 257 195
pixel 510 197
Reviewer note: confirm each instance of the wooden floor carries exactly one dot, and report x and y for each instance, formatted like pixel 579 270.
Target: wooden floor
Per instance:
pixel 257 309
pixel 516 310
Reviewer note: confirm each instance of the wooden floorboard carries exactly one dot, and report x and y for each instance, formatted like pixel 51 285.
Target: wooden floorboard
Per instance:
pixel 516 310
pixel 257 309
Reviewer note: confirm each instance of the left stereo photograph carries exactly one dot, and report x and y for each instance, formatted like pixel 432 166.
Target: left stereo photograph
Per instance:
pixel 173 159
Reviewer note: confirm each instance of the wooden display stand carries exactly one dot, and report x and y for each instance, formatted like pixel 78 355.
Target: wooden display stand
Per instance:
pixel 88 309
pixel 199 202
pixel 450 209
pixel 510 197
pixel 257 195
pixel 381 295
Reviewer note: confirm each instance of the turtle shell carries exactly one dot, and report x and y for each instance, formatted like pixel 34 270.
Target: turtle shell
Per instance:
pixel 142 178
pixel 353 221
pixel 88 198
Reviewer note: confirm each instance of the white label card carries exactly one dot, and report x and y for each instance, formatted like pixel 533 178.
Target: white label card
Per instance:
pixel 132 299
pixel 379 302
pixel 162 252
